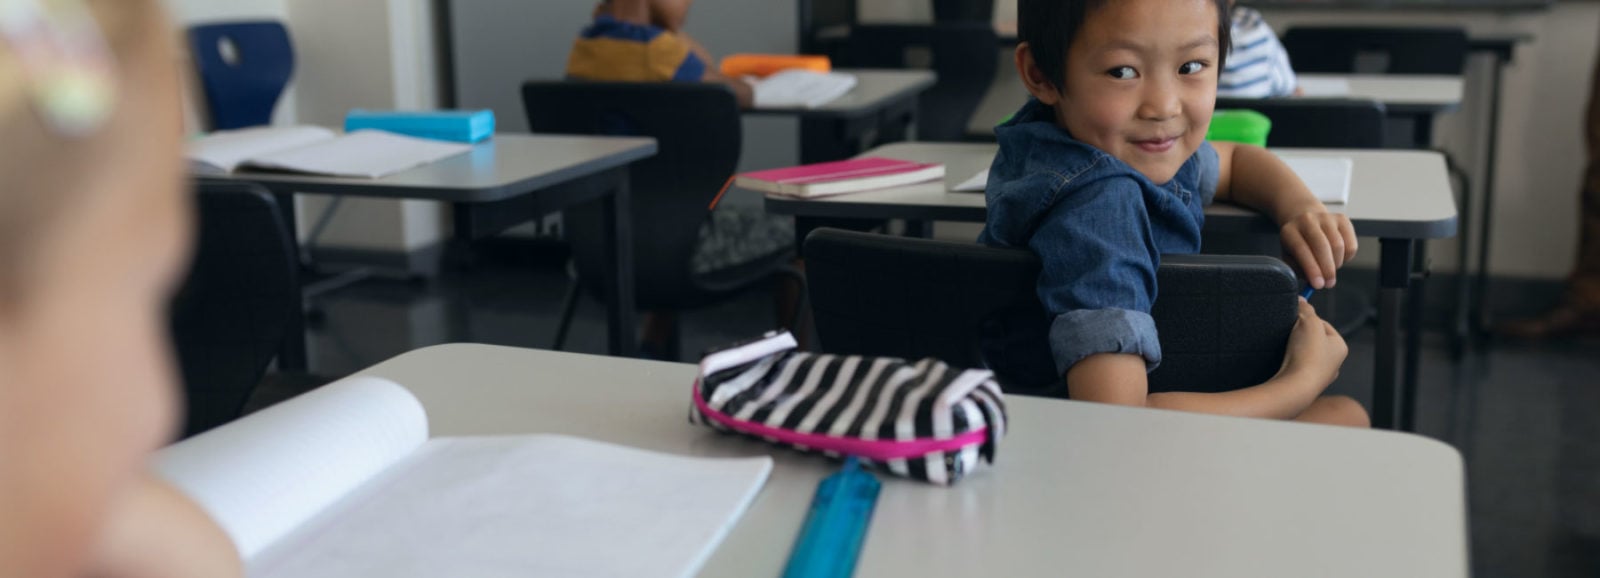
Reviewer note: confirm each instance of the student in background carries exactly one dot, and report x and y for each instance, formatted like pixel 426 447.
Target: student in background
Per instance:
pixel 1107 168
pixel 94 230
pixel 1258 66
pixel 643 41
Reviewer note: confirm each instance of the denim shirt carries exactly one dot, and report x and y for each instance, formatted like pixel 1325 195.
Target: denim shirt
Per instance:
pixel 1099 228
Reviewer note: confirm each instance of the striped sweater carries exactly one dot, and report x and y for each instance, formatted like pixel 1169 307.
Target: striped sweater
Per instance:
pixel 1258 66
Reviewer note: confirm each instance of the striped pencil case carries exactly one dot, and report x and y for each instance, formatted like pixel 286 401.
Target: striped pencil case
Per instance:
pixel 923 420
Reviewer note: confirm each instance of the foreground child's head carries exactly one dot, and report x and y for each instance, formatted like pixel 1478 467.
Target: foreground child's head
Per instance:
pixel 93 231
pixel 1134 78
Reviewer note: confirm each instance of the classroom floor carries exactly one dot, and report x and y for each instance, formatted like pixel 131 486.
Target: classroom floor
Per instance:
pixel 1526 417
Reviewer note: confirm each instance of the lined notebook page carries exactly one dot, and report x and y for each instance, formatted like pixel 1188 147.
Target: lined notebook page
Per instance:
pixel 223 151
pixel 264 475
pixel 363 153
pixel 526 506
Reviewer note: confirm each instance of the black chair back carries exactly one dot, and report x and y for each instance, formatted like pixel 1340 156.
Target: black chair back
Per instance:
pixel 963 11
pixel 1224 320
pixel 232 313
pixel 1317 122
pixel 1376 50
pixel 965 55
pixel 697 130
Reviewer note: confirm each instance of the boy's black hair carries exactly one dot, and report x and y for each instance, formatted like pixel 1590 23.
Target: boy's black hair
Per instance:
pixel 1049 26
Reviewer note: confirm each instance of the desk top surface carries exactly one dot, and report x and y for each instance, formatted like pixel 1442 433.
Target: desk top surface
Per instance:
pixel 1079 489
pixel 502 167
pixel 1393 193
pixel 874 90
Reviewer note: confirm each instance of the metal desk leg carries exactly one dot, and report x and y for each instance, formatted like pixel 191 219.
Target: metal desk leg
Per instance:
pixel 618 225
pixel 1413 352
pixel 1394 275
pixel 292 354
pixel 1478 316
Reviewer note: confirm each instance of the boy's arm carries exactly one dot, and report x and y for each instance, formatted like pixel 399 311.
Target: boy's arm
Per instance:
pixel 1312 362
pixel 156 532
pixel 1319 241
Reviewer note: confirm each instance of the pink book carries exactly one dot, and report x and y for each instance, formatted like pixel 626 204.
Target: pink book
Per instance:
pixel 839 177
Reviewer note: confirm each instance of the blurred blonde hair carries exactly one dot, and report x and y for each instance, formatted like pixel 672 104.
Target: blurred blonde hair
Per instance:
pixel 43 172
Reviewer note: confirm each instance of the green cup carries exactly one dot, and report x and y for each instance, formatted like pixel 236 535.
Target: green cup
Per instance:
pixel 1241 126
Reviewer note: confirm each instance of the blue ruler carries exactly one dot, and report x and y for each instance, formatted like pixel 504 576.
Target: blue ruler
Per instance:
pixel 830 541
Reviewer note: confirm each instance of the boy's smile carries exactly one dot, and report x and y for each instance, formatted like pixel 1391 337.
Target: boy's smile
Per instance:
pixel 1141 82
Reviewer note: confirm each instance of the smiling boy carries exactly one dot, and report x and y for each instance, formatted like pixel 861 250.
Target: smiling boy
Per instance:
pixel 1107 168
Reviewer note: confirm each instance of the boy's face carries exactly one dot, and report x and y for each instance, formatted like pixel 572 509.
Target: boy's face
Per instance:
pixel 1141 82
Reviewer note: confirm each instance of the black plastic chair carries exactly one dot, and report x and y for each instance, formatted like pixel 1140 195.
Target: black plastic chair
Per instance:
pixel 1224 321
pixel 1317 122
pixel 232 313
pixel 963 11
pixel 824 24
pixel 964 55
pixel 698 134
pixel 1376 50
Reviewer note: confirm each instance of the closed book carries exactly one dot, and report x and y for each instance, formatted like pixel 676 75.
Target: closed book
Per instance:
pixel 840 177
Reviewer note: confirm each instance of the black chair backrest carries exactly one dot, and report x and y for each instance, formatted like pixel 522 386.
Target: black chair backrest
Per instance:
pixel 1223 320
pixel 963 11
pixel 965 55
pixel 697 130
pixel 818 17
pixel 1317 122
pixel 232 313
pixel 1376 50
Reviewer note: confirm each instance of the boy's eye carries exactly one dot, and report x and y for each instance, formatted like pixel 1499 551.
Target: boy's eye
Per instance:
pixel 1123 73
pixel 1192 67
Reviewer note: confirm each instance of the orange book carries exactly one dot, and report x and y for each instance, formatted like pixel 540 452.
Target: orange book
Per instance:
pixel 761 65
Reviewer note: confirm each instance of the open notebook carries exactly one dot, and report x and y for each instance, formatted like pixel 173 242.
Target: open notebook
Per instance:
pixel 315 150
pixel 797 88
pixel 344 482
pixel 1327 177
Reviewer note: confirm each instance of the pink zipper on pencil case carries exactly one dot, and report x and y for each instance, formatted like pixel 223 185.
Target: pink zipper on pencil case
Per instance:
pixel 878 450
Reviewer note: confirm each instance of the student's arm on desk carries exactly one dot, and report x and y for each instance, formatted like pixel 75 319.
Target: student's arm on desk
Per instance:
pixel 741 89
pixel 1312 362
pixel 1318 241
pixel 154 531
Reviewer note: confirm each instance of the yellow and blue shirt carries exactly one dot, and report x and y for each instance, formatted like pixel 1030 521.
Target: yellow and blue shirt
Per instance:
pixel 616 51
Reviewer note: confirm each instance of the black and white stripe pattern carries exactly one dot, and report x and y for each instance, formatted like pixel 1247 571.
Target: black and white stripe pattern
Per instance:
pixel 867 398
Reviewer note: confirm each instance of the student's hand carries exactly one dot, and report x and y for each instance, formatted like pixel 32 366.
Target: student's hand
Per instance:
pixel 1315 352
pixel 1319 243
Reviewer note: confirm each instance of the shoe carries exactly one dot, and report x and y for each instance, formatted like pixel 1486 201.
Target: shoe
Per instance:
pixel 1566 320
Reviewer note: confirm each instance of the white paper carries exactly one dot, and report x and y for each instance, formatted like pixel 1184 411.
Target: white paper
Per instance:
pixel 262 476
pixel 975 184
pixel 515 506
pixel 801 89
pixel 1328 178
pixel 363 153
pixel 1323 87
pixel 224 151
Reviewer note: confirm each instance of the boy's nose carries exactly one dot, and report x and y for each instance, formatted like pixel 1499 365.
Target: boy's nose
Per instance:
pixel 1159 103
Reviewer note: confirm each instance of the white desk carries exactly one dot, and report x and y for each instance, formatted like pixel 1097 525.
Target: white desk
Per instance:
pixel 500 183
pixel 1402 197
pixel 1079 489
pixel 883 102
pixel 1421 96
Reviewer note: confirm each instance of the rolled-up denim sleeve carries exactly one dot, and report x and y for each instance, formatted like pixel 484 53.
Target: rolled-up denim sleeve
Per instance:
pixel 1208 170
pixel 1098 279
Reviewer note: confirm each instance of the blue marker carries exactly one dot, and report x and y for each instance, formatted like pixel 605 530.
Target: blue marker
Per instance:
pixel 1306 293
pixel 830 541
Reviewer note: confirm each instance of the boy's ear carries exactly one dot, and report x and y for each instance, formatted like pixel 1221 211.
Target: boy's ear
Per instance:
pixel 1039 85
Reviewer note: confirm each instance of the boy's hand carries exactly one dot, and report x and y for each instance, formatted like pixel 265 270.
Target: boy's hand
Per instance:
pixel 1320 243
pixel 1315 352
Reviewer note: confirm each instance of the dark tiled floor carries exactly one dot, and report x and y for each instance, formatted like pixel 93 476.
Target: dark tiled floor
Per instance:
pixel 1527 418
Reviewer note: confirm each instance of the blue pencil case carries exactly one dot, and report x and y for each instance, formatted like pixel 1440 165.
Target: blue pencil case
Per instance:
pixel 467 126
